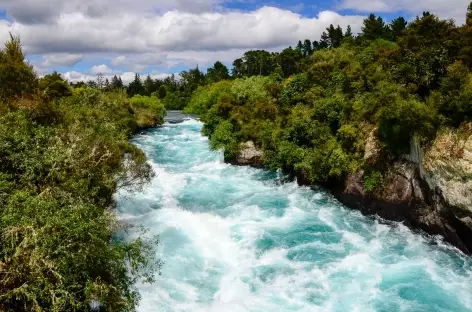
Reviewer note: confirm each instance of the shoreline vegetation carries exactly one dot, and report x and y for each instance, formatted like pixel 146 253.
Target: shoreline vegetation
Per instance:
pixel 64 152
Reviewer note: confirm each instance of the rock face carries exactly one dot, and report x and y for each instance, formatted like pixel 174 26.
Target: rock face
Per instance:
pixel 448 166
pixel 249 155
pixel 432 192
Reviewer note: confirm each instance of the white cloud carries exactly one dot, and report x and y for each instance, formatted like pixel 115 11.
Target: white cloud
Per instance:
pixel 119 61
pixel 455 9
pixel 61 59
pixel 139 62
pixel 130 37
pixel 48 61
pixel 175 31
pixel 41 11
pixel 101 69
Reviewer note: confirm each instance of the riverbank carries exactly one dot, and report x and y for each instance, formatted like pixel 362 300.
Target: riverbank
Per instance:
pixel 64 153
pixel 233 238
pixel 420 198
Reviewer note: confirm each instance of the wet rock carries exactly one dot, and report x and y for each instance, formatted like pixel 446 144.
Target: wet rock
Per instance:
pixel 249 155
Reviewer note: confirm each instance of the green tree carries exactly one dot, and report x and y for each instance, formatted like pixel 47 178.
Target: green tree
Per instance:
pixel 307 48
pixel 100 81
pixel 258 62
pixel 17 78
pixel 288 60
pixel 136 86
pixel 116 83
pixel 325 41
pixel 465 39
pixel 373 28
pixel 54 87
pixel 299 48
pixel 191 79
pixel 150 86
pixel 162 92
pixel 468 17
pixel 92 84
pixel 107 84
pixel 397 27
pixel 348 32
pixel 217 72
pixel 238 69
pixel 427 47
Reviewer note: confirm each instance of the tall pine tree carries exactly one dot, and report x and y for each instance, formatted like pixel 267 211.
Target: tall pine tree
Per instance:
pixel 374 28
pixel 136 86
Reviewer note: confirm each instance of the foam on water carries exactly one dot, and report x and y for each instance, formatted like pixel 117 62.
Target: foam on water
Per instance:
pixel 233 239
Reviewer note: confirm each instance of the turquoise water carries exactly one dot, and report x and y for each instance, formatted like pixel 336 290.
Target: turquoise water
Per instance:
pixel 234 239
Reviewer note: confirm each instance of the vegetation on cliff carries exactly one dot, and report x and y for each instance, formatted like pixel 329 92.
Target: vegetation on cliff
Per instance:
pixel 312 109
pixel 63 154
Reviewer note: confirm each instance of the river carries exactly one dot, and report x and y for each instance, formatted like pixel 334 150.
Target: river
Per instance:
pixel 235 239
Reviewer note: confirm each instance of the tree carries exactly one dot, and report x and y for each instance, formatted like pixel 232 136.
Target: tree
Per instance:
pixel 170 83
pixel 162 92
pixel 78 84
pixel 397 27
pixel 116 83
pixel 427 47
pixel 136 86
pixel 348 32
pixel 374 28
pixel 238 69
pixel 150 86
pixel 54 87
pixel 192 79
pixel 468 17
pixel 217 72
pixel 258 62
pixel 465 39
pixel 325 41
pixel 100 81
pixel 92 84
pixel 17 77
pixel 299 47
pixel 288 60
pixel 307 48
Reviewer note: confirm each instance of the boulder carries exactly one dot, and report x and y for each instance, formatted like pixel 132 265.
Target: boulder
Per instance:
pixel 249 155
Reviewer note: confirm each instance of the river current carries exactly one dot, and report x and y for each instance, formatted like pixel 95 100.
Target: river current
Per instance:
pixel 236 239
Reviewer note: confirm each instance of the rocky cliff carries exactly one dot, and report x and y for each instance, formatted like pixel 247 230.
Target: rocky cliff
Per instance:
pixel 429 189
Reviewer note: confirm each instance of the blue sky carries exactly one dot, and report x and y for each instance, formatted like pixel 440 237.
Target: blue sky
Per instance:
pixel 80 38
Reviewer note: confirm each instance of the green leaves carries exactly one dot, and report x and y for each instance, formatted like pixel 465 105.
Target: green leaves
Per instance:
pixel 17 77
pixel 58 174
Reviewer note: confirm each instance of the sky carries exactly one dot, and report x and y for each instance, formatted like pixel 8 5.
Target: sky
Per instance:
pixel 81 38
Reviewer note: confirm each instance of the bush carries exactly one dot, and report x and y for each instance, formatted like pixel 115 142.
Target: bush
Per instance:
pixel 149 110
pixel 61 162
pixel 373 182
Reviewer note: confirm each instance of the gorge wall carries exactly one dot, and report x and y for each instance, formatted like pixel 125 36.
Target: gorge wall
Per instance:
pixel 429 189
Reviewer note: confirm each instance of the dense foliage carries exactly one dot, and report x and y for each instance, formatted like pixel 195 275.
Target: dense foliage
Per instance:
pixel 314 108
pixel 63 154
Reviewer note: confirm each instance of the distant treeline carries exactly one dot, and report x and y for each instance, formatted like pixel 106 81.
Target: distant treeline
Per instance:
pixel 176 93
pixel 320 110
